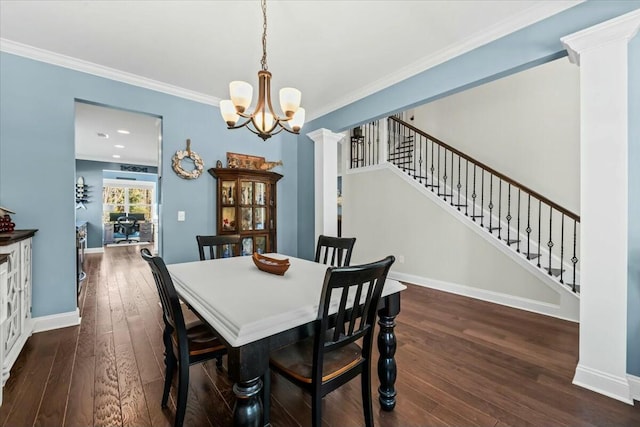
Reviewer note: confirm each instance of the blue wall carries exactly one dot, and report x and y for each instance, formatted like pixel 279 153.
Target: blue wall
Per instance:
pixel 534 45
pixel 37 167
pixel 92 172
pixel 633 311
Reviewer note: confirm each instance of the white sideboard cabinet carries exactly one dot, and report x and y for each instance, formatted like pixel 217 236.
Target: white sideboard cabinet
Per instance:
pixel 15 297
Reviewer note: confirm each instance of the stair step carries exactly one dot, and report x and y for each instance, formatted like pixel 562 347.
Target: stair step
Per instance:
pixel 476 216
pixel 511 241
pixel 461 205
pixel 492 229
pixel 432 185
pixel 445 195
pixel 554 271
pixel 570 285
pixel 531 256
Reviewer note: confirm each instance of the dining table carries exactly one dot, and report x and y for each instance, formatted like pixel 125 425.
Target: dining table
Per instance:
pixel 255 312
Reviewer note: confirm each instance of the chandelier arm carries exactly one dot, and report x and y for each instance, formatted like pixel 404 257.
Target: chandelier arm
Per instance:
pixel 245 123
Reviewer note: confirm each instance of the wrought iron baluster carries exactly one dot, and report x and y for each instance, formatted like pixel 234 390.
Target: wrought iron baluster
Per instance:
pixel 490 203
pixel 420 160
pixel 499 209
pixel 509 216
pixel 528 229
pixel 574 259
pixel 452 176
pixel 459 186
pixel 518 233
pixel 444 177
pixel 438 171
pixel 473 195
pixel 482 199
pixel 432 168
pixel 561 248
pixel 539 229
pixel 550 242
pixel 466 189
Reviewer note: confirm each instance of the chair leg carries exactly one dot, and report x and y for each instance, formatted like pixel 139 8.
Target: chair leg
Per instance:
pixel 183 388
pixel 170 366
pixel 316 409
pixel 367 405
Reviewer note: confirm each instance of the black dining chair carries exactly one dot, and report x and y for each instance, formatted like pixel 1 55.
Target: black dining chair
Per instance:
pixel 332 356
pixel 217 245
pixel 334 251
pixel 185 344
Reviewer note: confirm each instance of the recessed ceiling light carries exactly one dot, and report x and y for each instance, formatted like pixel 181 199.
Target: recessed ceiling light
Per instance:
pixel 116 156
pixel 103 135
pixel 124 131
pixel 119 146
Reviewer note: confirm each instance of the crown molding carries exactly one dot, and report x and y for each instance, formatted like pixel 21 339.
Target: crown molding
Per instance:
pixel 622 28
pixel 31 52
pixel 525 18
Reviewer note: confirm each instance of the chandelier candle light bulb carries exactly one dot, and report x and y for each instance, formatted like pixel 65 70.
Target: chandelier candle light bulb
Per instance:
pixel 264 121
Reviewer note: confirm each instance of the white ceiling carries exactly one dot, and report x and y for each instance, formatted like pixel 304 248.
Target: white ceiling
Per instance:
pixel 334 51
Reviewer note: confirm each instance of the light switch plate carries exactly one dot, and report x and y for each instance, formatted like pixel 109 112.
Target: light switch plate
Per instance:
pixel 181 215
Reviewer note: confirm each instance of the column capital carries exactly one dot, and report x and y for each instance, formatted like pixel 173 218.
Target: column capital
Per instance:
pixel 620 29
pixel 324 135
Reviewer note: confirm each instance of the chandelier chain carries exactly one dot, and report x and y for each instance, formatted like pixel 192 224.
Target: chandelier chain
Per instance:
pixel 264 36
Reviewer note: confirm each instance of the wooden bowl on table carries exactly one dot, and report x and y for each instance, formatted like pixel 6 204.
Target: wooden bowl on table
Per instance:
pixel 271 265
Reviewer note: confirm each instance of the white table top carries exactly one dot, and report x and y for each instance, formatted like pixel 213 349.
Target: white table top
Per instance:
pixel 245 304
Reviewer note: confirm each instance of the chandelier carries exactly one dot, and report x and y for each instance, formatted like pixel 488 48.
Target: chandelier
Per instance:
pixel 264 122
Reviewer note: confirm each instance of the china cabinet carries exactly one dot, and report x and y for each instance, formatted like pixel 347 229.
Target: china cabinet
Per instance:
pixel 246 203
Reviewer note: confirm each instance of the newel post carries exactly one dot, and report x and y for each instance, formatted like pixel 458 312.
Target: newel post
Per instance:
pixel 326 181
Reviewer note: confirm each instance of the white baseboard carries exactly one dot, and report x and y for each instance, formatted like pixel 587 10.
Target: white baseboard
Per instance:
pixel 485 295
pixel 604 383
pixel 56 321
pixel 634 385
pixel 99 250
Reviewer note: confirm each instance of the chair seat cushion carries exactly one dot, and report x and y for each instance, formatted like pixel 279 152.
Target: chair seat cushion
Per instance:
pixel 296 360
pixel 201 339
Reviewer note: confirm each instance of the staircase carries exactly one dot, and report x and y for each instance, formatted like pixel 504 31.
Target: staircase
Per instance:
pixel 535 228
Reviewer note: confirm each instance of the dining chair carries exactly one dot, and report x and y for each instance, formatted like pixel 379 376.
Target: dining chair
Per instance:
pixel 332 357
pixel 334 251
pixel 217 245
pixel 185 344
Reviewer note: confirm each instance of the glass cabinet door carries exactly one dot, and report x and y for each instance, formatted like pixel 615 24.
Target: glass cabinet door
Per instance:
pixel 259 215
pixel 247 221
pixel 228 192
pixel 229 219
pixel 247 246
pixel 261 193
pixel 261 244
pixel 246 192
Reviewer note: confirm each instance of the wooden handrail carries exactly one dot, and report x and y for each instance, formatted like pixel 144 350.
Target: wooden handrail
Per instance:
pixel 490 170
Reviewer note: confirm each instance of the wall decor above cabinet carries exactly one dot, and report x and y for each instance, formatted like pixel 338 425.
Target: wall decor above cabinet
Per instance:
pixel 176 163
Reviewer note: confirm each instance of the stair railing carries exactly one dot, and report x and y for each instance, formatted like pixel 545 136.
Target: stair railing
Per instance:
pixel 544 232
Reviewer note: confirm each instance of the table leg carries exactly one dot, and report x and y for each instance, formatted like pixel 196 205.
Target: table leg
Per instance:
pixel 248 408
pixel 387 369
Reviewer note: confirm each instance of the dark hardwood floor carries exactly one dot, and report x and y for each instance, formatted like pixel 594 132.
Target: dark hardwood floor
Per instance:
pixel 461 362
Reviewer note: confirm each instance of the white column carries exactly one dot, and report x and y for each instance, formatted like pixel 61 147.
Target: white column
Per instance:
pixel 326 181
pixel 601 52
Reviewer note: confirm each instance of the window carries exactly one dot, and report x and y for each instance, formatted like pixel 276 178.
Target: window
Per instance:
pixel 127 198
